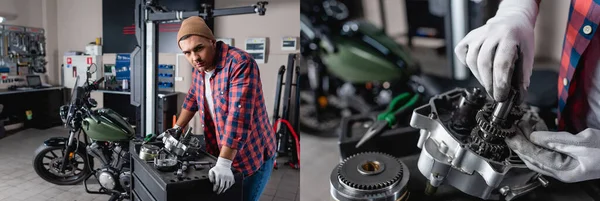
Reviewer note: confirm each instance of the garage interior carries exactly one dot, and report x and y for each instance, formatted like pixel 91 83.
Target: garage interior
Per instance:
pixel 428 30
pixel 100 34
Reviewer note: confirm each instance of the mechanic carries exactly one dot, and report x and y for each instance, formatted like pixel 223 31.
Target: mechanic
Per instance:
pixel 227 90
pixel 572 153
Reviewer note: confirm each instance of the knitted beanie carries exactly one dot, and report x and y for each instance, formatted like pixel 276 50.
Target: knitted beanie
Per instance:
pixel 194 25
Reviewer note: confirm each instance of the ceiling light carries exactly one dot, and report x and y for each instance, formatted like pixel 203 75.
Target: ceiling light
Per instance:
pixel 1 19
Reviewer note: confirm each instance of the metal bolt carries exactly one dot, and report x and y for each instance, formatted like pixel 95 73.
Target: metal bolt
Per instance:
pixel 543 181
pixel 504 190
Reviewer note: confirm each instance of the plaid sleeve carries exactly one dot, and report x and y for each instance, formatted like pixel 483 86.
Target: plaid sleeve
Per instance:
pixel 242 91
pixel 190 102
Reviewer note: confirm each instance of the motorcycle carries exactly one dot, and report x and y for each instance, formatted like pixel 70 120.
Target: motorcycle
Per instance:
pixel 352 66
pixel 355 68
pixel 94 133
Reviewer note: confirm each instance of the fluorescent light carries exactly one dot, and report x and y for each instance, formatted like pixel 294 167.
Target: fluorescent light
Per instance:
pixel 1 19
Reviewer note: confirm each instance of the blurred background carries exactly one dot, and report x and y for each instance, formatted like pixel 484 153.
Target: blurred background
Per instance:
pixel 357 55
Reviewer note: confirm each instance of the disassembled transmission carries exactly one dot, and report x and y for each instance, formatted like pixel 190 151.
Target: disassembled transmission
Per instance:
pixel 370 176
pixel 462 142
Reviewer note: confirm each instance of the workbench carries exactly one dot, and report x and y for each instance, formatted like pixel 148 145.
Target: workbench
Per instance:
pixel 556 190
pixel 150 184
pixel 44 104
pixel 402 143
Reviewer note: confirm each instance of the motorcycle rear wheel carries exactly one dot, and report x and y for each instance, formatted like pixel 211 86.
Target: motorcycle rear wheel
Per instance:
pixel 49 170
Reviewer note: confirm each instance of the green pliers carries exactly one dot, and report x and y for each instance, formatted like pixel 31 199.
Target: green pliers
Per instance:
pixel 388 118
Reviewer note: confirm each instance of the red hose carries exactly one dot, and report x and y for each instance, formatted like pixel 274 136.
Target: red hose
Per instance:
pixel 289 126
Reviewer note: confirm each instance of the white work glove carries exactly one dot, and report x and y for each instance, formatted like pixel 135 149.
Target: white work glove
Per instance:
pixel 564 156
pixel 490 51
pixel 175 130
pixel 221 175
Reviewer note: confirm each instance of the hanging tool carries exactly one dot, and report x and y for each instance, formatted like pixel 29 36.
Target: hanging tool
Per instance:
pixel 386 120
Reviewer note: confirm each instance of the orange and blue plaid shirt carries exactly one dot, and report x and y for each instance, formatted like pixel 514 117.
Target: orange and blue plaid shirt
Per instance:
pixel 580 54
pixel 241 121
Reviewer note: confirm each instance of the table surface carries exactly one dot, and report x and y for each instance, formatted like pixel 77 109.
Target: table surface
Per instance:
pixel 160 93
pixel 556 191
pixel 7 91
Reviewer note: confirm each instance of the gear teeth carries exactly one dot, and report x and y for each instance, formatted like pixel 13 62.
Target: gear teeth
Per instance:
pixel 492 151
pixel 483 123
pixel 380 185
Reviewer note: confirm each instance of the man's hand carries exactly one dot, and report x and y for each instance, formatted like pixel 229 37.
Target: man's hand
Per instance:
pixel 221 175
pixel 175 132
pixel 562 155
pixel 490 51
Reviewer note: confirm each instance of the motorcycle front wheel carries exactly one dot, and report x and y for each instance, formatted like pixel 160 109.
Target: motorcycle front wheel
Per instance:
pixel 48 161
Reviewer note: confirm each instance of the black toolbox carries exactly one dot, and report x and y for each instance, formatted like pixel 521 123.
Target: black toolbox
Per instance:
pixel 400 141
pixel 150 184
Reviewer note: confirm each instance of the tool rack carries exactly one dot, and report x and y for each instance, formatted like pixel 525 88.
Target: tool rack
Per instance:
pixel 22 50
pixel 288 138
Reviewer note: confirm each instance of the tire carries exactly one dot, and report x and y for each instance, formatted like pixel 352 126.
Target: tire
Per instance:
pixel 310 125
pixel 44 172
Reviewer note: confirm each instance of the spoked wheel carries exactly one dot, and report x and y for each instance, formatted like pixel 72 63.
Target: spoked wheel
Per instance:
pixel 49 160
pixel 324 122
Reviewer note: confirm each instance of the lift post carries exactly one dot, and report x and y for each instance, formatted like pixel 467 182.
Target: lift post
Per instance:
pixel 148 15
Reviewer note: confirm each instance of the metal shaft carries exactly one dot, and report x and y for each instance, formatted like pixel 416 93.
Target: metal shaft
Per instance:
pixel 503 109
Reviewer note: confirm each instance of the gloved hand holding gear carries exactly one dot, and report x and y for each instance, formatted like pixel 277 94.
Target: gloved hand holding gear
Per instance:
pixel 491 50
pixel 175 132
pixel 562 155
pixel 221 175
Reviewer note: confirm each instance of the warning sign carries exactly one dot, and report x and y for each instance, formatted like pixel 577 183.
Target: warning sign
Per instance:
pixel 69 60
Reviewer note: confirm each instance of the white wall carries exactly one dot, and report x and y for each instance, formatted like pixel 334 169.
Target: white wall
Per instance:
pixel 50 21
pixel 29 12
pixel 550 29
pixel 282 19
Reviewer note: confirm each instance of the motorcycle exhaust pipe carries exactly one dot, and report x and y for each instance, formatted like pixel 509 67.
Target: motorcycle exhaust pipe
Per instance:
pixel 96 152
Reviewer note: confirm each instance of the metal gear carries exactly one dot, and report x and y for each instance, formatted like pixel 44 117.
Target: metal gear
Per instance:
pixel 496 152
pixel 483 121
pixel 385 170
pixel 370 176
pixel 516 113
pixel 487 139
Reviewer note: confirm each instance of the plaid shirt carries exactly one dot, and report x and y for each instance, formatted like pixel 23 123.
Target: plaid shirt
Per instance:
pixel 579 58
pixel 241 118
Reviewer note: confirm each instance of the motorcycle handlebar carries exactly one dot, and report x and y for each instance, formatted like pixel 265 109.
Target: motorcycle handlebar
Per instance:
pixel 94 85
pixel 99 81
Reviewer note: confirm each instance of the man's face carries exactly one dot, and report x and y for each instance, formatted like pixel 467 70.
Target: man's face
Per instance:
pixel 199 51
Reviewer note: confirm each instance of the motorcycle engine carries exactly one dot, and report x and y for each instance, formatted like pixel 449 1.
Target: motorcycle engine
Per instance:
pixel 114 173
pixel 462 142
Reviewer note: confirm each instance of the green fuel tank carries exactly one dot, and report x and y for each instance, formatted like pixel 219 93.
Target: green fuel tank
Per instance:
pixel 107 126
pixel 366 53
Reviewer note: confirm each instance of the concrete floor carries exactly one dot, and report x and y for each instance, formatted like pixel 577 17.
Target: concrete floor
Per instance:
pixel 19 182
